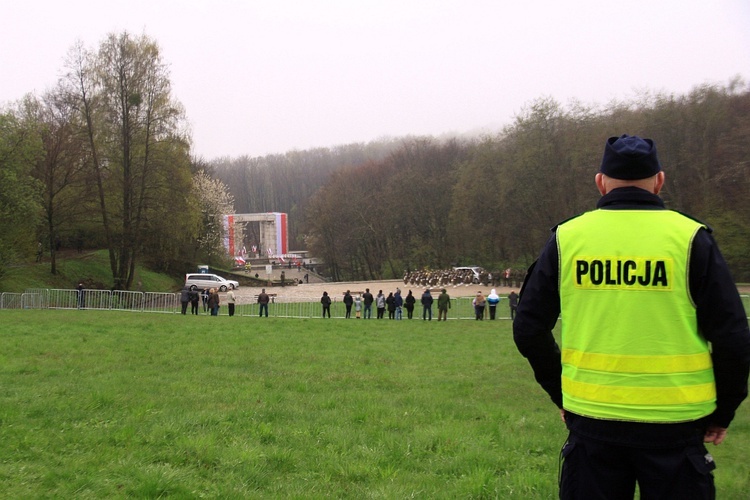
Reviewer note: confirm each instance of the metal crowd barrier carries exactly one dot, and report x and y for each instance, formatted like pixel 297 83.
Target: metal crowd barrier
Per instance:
pixel 119 300
pixel 161 302
pixel 11 300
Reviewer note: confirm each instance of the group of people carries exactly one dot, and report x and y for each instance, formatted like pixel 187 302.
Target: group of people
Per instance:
pixel 455 277
pixel 210 299
pixel 363 303
pixel 394 303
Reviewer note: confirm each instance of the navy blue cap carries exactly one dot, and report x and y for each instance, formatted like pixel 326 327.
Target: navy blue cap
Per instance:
pixel 630 158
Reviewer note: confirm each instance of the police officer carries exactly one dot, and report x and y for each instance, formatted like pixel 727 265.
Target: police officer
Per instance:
pixel 641 291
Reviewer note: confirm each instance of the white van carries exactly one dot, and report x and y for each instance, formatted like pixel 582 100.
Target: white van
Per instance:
pixel 204 281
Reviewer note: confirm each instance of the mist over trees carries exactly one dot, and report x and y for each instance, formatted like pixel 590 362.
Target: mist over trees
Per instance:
pixel 287 182
pixel 491 201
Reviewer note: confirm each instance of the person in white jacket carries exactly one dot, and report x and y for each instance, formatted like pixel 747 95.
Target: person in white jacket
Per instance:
pixel 493 299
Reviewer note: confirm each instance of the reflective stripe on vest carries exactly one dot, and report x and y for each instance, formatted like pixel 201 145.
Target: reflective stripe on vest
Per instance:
pixel 630 343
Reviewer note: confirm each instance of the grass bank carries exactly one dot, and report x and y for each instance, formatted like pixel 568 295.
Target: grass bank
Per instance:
pixel 92 268
pixel 111 404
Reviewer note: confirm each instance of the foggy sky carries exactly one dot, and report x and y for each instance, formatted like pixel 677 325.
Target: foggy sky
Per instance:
pixel 262 77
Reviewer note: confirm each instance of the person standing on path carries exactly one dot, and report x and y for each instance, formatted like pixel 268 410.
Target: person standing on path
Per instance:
pixel 213 302
pixel 493 299
pixel 390 303
pixel 367 300
pixel 479 304
pixel 325 300
pixel 348 302
pixel 513 304
pixel 443 303
pixel 427 305
pixel 380 304
pixel 184 298
pixel 263 300
pixel 358 307
pixel 409 302
pixel 399 301
pixel 194 301
pixel 654 348
pixel 204 299
pixel 231 301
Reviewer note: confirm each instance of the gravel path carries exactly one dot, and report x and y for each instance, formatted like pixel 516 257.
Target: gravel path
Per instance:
pixel 313 291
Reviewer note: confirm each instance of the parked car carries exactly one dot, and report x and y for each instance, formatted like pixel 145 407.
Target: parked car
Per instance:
pixel 475 270
pixel 203 281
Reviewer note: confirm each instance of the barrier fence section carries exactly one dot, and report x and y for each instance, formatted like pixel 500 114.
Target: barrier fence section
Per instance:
pixel 118 300
pixel 11 300
pixel 161 302
pixel 158 302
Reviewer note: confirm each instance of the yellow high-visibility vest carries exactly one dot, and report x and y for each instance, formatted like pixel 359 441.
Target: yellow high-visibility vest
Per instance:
pixel 631 349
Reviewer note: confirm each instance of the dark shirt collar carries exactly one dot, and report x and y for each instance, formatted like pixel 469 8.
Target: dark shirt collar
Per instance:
pixel 630 198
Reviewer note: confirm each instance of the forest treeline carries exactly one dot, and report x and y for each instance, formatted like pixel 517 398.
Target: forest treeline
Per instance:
pixel 376 210
pixel 103 159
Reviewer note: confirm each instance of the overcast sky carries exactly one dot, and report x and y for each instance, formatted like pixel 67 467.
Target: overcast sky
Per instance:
pixel 261 77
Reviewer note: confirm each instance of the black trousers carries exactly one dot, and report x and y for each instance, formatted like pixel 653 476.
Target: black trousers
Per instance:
pixel 594 469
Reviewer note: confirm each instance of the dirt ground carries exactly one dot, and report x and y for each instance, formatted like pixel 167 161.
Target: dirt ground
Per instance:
pixel 313 291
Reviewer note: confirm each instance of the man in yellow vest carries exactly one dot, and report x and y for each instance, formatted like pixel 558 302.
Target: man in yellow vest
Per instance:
pixel 641 292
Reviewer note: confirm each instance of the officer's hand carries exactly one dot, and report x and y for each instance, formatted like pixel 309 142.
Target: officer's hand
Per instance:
pixel 562 415
pixel 715 434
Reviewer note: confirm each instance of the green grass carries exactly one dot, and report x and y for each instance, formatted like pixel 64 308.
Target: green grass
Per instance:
pixel 91 267
pixel 109 404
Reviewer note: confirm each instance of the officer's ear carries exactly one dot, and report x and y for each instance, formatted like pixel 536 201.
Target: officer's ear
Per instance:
pixel 658 182
pixel 599 179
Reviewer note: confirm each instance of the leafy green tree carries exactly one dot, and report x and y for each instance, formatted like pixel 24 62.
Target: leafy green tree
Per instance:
pixel 138 147
pixel 60 168
pixel 19 194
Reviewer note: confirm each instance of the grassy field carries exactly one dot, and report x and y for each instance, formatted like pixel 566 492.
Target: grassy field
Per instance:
pixel 110 404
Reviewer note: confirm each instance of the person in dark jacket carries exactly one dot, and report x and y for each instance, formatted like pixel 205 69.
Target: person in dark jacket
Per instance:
pixel 184 299
pixel 390 304
pixel 326 301
pixel 367 300
pixel 263 300
pixel 641 291
pixel 409 302
pixel 194 301
pixel 348 301
pixel 398 300
pixel 513 304
pixel 427 305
